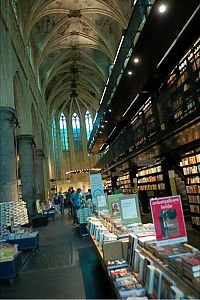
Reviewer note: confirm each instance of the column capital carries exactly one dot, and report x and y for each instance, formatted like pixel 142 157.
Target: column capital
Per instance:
pixel 26 138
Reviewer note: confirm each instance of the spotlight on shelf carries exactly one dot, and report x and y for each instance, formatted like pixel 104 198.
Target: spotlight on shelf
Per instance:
pixel 109 110
pixel 130 73
pixel 102 126
pixel 162 8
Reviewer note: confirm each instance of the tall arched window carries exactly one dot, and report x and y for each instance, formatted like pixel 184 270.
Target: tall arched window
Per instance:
pixel 63 133
pixel 76 132
pixel 55 148
pixel 88 124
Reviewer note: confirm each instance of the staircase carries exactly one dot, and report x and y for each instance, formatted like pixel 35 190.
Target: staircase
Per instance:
pixel 181 190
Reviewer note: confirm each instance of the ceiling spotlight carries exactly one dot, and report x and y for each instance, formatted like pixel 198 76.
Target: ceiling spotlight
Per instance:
pixel 102 126
pixel 130 72
pixel 136 60
pixel 109 110
pixel 100 131
pixel 162 8
pixel 106 121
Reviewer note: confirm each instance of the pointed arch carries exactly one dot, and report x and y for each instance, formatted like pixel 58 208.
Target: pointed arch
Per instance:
pixel 64 132
pixel 88 124
pixel 76 128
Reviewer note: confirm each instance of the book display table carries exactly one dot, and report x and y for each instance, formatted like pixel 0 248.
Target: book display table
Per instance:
pixel 9 269
pixel 144 269
pixel 30 242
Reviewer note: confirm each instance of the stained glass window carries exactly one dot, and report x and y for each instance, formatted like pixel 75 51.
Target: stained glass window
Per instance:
pixel 76 132
pixel 55 148
pixel 88 124
pixel 63 132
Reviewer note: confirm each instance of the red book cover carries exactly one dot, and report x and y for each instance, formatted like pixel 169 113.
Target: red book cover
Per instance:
pixel 168 220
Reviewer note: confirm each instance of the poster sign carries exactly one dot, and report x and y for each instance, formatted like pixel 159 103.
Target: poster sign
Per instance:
pixel 101 202
pixel 96 186
pixel 114 205
pixel 130 211
pixel 168 220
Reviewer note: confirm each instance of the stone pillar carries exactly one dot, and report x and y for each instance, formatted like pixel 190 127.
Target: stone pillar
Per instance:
pixel 8 177
pixel 40 189
pixel 27 176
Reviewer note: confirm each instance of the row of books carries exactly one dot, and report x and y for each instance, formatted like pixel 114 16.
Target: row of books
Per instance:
pixel 15 212
pixel 152 187
pixel 195 220
pixel 189 160
pixel 151 170
pixel 191 170
pixel 195 208
pixel 151 179
pixel 192 180
pixel 194 198
pixel 193 189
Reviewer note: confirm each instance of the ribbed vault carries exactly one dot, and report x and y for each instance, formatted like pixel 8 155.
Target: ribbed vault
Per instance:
pixel 73 44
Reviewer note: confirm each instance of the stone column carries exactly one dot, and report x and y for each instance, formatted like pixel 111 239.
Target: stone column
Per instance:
pixel 8 177
pixel 40 189
pixel 27 176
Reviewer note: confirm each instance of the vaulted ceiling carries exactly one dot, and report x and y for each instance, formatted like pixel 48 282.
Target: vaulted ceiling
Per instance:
pixel 73 44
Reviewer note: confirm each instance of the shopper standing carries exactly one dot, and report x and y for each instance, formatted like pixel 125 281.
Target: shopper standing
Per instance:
pixel 76 202
pixel 56 201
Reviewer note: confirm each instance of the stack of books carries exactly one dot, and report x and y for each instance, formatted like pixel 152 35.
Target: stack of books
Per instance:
pixel 126 284
pixel 15 212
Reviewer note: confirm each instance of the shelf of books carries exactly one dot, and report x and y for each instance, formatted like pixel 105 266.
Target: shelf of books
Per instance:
pixel 108 185
pixel 137 267
pixel 124 182
pixel 151 180
pixel 191 170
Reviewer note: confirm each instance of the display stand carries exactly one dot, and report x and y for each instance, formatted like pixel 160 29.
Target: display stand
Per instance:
pixel 50 214
pixel 9 269
pixel 27 243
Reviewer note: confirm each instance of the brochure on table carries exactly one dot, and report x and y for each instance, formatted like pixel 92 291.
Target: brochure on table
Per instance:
pixel 167 214
pixel 130 211
pixel 96 186
pixel 114 205
pixel 102 202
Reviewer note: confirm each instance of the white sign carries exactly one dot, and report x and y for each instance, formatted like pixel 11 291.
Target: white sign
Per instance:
pixel 101 200
pixel 130 211
pixel 96 186
pixel 129 208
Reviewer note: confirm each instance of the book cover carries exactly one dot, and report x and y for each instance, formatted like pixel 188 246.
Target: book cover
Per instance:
pixel 116 264
pixel 141 267
pixel 147 262
pixel 175 293
pixel 131 292
pixel 157 283
pixel 168 220
pixel 149 280
pixel 136 262
pixel 121 274
pixel 165 289
pixel 192 263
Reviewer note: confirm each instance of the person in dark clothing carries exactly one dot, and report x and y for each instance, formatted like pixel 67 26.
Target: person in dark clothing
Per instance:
pixel 144 200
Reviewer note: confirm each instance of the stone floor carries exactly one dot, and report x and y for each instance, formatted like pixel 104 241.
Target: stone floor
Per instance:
pixel 66 266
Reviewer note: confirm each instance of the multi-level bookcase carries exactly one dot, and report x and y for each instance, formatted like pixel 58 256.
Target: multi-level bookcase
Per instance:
pixel 108 185
pixel 124 182
pixel 151 179
pixel 191 171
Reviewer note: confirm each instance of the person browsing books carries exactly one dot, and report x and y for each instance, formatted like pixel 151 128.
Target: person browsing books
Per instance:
pixel 76 202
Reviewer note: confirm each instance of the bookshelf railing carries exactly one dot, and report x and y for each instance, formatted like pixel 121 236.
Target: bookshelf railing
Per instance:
pixel 178 98
pixel 136 23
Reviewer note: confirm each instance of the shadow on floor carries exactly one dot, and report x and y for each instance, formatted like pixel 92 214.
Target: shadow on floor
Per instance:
pixel 95 281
